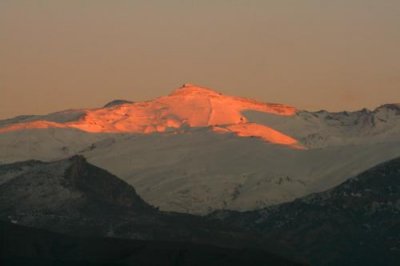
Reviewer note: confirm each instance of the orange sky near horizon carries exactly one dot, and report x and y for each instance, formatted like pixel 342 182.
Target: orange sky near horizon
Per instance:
pixel 312 54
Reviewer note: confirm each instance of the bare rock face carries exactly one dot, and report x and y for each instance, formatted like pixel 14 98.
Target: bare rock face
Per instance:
pixel 116 103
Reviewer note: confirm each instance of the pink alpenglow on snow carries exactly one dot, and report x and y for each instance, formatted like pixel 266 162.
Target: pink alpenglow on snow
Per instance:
pixel 189 106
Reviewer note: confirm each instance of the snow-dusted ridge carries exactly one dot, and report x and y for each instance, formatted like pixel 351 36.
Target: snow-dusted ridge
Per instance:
pixel 323 129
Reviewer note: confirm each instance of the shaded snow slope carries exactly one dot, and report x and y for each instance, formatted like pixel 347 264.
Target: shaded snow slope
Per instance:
pixel 200 171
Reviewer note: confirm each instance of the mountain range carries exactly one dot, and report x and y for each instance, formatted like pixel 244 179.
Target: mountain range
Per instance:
pixel 197 150
pixel 199 174
pixel 355 223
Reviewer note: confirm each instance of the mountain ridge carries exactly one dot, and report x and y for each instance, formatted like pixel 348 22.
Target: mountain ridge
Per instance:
pixel 73 197
pixel 188 106
pixel 191 106
pixel 354 223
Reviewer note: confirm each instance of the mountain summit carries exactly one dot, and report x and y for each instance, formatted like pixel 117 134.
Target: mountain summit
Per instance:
pixel 187 107
pixel 191 89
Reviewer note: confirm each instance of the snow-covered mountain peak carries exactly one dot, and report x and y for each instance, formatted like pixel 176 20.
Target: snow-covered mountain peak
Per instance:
pixel 187 107
pixel 196 150
pixel 192 106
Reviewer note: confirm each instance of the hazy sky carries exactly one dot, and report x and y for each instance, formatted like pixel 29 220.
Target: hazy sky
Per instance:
pixel 332 54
